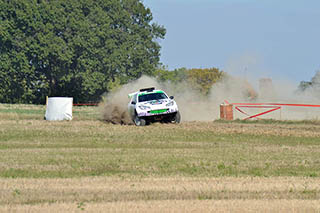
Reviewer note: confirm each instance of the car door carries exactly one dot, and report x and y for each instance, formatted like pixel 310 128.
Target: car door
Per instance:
pixel 132 105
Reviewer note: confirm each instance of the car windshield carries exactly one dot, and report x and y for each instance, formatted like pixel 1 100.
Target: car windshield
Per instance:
pixel 151 96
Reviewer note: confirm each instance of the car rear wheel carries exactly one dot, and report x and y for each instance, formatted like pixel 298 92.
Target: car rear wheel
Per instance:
pixel 139 121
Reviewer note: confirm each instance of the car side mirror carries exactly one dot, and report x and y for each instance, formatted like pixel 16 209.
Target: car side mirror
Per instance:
pixel 134 103
pixel 171 97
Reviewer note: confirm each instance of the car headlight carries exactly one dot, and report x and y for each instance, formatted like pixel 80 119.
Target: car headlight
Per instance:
pixel 143 107
pixel 170 104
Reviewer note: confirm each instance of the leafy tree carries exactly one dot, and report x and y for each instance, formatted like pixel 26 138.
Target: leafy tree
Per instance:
pixel 198 79
pixel 304 85
pixel 315 81
pixel 313 84
pixel 174 76
pixel 203 79
pixel 78 48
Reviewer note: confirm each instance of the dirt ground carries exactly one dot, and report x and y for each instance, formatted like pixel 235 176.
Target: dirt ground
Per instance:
pixel 88 165
pixel 175 194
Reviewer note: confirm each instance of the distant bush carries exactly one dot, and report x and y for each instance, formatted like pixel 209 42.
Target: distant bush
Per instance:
pixel 311 87
pixel 198 79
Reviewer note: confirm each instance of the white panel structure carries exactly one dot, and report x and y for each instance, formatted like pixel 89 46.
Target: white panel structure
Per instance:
pixel 59 108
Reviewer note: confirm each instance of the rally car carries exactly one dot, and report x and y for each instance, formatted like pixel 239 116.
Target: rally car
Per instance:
pixel 151 105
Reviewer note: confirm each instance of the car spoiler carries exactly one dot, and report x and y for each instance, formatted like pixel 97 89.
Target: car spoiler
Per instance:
pixel 131 94
pixel 150 89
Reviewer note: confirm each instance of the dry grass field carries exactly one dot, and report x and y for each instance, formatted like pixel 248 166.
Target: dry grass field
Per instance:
pixel 87 165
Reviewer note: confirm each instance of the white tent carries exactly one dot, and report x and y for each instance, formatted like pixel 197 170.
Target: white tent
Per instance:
pixel 59 108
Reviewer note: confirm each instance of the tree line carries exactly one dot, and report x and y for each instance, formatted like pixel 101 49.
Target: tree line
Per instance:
pixel 75 48
pixel 82 49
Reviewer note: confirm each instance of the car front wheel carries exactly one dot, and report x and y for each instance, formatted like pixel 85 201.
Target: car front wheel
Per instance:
pixel 139 121
pixel 177 118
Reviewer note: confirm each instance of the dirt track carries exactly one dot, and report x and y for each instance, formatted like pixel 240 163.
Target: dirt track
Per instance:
pixel 161 194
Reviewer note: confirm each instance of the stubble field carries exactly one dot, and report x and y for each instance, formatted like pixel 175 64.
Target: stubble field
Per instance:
pixel 89 165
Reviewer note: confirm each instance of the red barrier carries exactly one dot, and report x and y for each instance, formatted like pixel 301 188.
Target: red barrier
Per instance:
pixel 88 104
pixel 277 104
pixel 273 106
pixel 259 114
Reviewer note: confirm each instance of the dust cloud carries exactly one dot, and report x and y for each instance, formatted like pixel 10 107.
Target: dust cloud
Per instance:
pixel 282 91
pixel 193 106
pixel 115 104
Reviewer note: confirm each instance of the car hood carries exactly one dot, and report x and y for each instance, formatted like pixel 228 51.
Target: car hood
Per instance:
pixel 155 103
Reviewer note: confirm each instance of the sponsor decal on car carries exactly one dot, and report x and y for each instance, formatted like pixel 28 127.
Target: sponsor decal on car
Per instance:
pixel 158 111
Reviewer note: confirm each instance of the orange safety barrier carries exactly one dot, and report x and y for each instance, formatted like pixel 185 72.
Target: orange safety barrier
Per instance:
pixel 88 104
pixel 271 106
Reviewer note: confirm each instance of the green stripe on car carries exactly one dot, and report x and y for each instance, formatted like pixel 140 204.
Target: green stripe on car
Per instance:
pixel 145 93
pixel 158 111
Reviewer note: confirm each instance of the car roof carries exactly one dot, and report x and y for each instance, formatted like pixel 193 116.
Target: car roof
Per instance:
pixel 150 92
pixel 145 92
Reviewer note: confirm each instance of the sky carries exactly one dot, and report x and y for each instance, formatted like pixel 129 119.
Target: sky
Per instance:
pixel 260 38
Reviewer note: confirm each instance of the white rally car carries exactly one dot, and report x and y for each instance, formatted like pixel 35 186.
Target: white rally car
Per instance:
pixel 151 105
